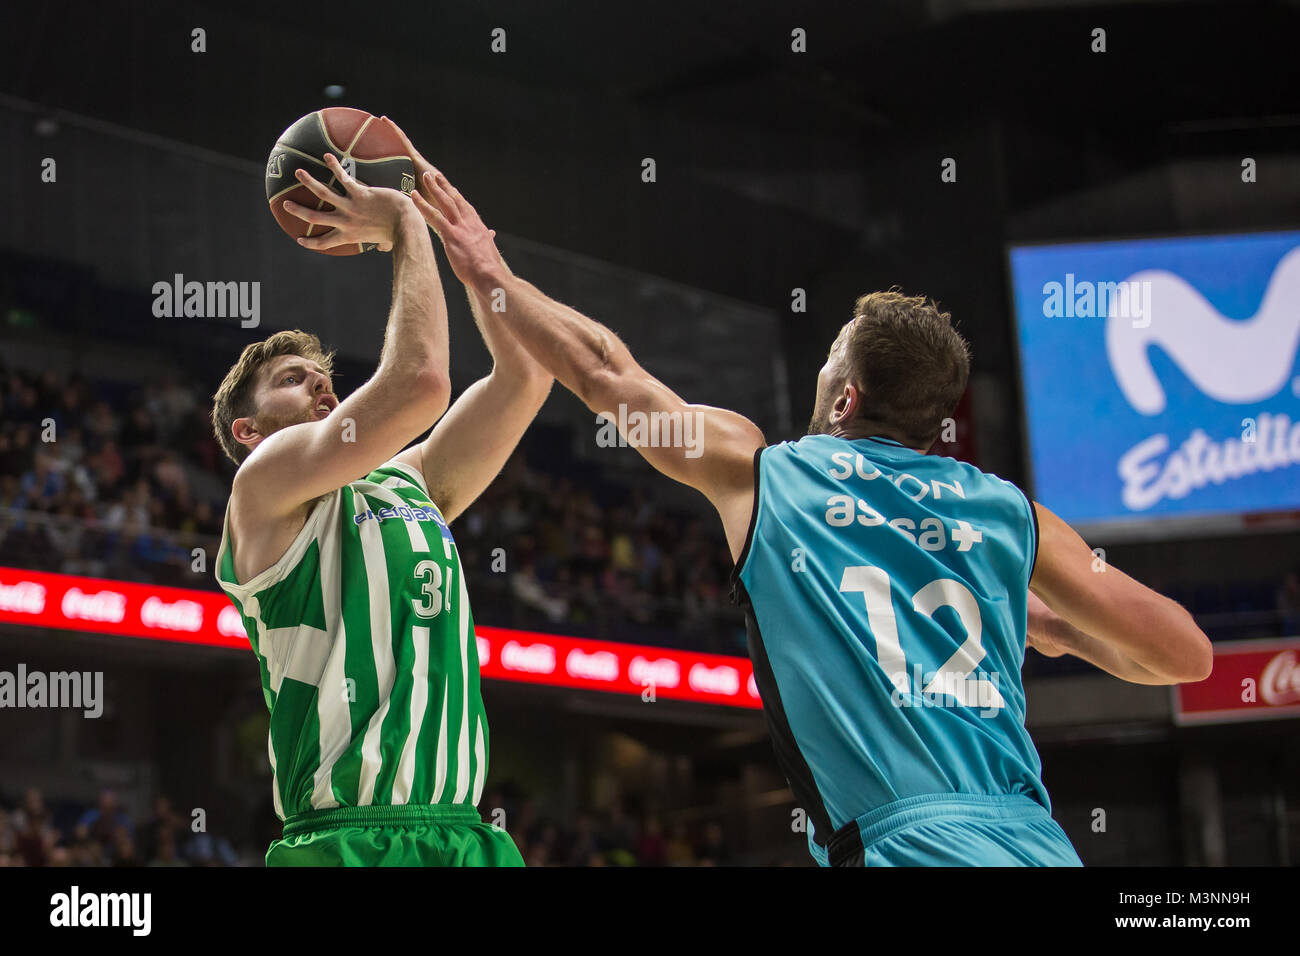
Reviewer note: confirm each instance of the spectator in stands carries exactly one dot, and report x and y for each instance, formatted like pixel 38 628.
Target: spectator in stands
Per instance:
pixel 69 527
pixel 168 406
pixel 41 485
pixel 100 823
pixel 203 519
pixel 83 852
pixel 172 482
pixel 164 824
pixel 108 469
pixel 165 852
pixel 35 837
pixel 8 491
pixel 131 513
pixel 102 425
pixel 11 462
pixel 72 404
pixel 26 407
pixel 200 441
pixel 123 848
pixel 528 590
pixel 140 433
pixel 204 849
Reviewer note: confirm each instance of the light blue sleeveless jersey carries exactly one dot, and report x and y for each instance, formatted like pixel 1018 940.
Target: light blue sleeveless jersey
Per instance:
pixel 886 596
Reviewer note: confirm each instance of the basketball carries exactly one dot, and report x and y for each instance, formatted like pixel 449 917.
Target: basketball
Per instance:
pixel 367 149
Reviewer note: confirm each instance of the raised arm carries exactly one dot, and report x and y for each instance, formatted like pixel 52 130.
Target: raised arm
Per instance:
pixel 1108 618
pixel 468 448
pixel 408 391
pixel 710 449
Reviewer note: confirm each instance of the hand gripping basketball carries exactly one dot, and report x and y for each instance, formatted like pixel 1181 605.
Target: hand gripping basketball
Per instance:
pixel 362 214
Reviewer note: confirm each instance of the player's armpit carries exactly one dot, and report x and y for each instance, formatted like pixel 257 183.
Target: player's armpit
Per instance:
pixel 1111 608
pixel 470 445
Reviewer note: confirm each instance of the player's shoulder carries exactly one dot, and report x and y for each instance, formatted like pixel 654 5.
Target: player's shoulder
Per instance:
pixel 991 480
pixel 396 472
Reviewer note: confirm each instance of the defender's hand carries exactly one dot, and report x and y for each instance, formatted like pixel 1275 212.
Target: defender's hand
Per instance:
pixel 469 244
pixel 362 214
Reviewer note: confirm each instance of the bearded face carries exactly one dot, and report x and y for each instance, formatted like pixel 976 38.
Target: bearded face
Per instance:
pixel 294 391
pixel 269 422
pixel 820 423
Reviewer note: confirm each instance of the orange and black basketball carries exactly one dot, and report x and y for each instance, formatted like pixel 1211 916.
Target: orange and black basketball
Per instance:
pixel 366 148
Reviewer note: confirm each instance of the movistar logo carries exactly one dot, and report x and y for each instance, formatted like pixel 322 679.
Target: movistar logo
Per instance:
pixel 1235 362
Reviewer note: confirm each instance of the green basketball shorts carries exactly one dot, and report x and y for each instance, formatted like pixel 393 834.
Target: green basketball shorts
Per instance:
pixel 434 835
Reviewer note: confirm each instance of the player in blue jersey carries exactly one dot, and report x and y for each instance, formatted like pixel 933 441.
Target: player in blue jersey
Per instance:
pixel 890 594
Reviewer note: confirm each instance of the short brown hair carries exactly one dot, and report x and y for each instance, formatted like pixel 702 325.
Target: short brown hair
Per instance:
pixel 234 399
pixel 909 362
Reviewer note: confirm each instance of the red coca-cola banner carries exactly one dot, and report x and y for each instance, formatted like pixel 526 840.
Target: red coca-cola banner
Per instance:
pixel 1252 680
pixel 71 603
pixel 651 672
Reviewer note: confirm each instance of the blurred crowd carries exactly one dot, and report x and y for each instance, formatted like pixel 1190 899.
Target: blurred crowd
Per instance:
pixel 112 470
pixel 625 569
pixel 119 482
pixel 104 835
pixel 614 837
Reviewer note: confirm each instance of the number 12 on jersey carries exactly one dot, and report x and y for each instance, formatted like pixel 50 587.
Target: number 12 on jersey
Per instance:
pixel 954 678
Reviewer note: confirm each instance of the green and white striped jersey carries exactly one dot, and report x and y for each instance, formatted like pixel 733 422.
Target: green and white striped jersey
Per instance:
pixel 365 642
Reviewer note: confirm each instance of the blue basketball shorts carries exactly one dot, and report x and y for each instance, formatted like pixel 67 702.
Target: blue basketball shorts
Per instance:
pixel 951 829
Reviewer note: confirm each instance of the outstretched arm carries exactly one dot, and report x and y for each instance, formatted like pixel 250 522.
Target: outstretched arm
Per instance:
pixel 470 445
pixel 710 449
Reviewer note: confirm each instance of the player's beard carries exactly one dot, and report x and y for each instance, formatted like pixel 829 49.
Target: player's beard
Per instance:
pixel 269 423
pixel 819 424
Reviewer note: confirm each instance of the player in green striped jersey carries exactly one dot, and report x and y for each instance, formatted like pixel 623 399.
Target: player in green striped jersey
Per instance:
pixel 336 551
